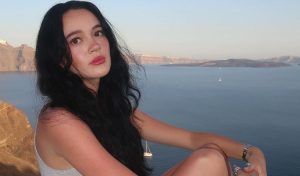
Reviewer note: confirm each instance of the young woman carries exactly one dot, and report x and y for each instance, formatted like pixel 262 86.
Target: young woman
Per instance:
pixel 90 124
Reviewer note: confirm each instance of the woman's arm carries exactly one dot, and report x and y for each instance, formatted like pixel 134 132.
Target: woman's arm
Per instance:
pixel 72 139
pixel 160 132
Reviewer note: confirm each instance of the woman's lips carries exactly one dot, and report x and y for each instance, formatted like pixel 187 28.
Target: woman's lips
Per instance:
pixel 98 60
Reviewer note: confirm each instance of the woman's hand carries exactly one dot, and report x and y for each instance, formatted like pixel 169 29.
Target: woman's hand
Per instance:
pixel 257 162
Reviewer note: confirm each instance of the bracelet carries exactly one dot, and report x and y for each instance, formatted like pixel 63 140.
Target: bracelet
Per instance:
pixel 245 151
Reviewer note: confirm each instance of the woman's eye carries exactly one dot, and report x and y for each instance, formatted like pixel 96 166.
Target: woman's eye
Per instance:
pixel 75 41
pixel 99 33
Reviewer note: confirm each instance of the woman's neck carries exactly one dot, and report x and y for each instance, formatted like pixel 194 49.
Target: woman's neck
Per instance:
pixel 92 84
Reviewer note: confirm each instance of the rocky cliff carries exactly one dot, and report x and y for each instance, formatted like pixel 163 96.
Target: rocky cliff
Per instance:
pixel 16 143
pixel 16 58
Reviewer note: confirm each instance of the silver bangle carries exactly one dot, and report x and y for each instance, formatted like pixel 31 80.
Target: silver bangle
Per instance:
pixel 245 151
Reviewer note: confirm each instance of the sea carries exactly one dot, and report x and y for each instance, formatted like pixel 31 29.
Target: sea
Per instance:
pixel 259 106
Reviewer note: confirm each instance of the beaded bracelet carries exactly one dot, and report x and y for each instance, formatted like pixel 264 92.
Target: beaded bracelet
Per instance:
pixel 245 151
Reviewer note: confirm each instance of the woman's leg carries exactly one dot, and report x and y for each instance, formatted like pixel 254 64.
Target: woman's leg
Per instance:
pixel 208 160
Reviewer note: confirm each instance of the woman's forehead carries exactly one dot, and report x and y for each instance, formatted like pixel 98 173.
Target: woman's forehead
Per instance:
pixel 79 19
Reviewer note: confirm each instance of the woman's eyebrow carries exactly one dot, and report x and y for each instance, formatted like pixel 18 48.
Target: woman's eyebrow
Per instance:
pixel 79 31
pixel 97 26
pixel 73 33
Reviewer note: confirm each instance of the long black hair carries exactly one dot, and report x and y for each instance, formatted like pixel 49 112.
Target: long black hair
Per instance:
pixel 109 111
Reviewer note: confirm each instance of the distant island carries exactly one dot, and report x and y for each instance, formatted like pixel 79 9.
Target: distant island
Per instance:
pixel 21 58
pixel 235 63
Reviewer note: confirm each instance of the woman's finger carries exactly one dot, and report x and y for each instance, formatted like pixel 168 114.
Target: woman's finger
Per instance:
pixel 243 173
pixel 237 171
pixel 249 167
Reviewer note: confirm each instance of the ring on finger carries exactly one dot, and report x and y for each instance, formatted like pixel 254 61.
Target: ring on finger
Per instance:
pixel 236 170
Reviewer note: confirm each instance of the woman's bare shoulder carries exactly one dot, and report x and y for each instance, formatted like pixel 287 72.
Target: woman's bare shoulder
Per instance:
pixel 54 122
pixel 58 127
pixel 51 116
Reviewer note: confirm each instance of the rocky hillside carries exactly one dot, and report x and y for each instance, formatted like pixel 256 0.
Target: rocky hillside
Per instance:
pixel 16 58
pixel 16 143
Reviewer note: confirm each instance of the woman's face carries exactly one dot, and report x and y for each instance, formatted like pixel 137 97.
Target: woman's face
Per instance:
pixel 88 45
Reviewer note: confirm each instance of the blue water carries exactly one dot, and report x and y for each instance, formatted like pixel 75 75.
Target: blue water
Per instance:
pixel 260 106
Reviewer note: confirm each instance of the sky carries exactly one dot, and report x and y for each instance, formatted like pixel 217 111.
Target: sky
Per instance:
pixel 199 29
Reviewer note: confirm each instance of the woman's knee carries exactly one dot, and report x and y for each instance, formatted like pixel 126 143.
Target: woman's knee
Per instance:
pixel 214 151
pixel 208 155
pixel 205 161
pixel 211 159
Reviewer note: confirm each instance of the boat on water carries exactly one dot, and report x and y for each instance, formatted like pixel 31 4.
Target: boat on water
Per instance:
pixel 220 79
pixel 147 152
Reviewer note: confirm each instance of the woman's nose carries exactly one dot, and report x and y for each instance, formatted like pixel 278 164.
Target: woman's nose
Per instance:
pixel 94 46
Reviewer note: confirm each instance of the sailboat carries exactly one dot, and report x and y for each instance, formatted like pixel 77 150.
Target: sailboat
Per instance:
pixel 220 78
pixel 147 152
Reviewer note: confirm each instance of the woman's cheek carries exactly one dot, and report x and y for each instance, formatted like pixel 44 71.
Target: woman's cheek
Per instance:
pixel 105 44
